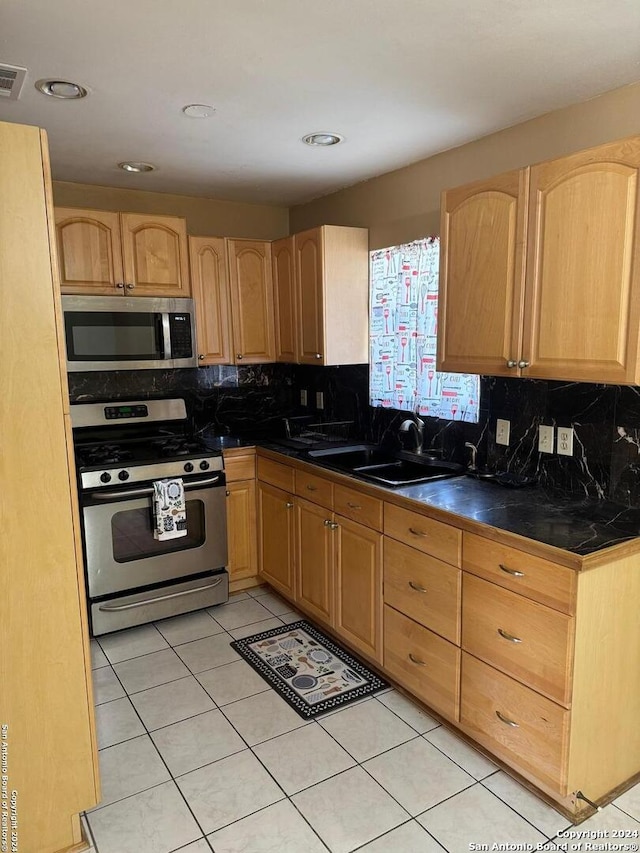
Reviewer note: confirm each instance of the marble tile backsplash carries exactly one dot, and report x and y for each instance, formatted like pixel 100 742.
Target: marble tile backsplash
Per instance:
pixel 253 399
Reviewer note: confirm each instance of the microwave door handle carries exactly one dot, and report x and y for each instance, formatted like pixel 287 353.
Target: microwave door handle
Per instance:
pixel 166 335
pixel 138 493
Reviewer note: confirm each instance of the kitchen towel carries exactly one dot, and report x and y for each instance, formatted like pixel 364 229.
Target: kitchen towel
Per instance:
pixel 169 509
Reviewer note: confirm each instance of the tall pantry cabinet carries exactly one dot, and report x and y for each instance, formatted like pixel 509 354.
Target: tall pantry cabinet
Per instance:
pixel 46 708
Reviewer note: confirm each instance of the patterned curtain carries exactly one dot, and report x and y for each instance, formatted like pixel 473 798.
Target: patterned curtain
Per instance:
pixel 403 329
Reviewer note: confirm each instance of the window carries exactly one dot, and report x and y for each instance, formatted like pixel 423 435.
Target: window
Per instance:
pixel 402 337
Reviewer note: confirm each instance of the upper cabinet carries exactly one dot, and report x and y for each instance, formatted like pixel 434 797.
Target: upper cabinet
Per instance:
pixel 321 293
pixel 540 274
pixel 210 283
pixel 103 253
pixel 251 300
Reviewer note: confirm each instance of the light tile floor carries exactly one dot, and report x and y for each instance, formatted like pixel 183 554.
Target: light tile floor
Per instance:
pixel 199 754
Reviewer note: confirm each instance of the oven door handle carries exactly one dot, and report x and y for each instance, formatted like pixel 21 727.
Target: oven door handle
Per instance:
pixel 138 493
pixel 114 608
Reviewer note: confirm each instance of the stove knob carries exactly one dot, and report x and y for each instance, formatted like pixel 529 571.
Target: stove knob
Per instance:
pixel 188 467
pixel 105 477
pixel 123 475
pixel 204 465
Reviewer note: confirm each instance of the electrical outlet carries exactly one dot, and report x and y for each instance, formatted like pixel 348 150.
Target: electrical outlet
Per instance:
pixel 565 441
pixel 545 439
pixel 503 429
pixel 303 396
pixel 319 400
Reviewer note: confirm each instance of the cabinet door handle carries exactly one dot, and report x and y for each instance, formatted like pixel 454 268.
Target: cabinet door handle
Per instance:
pixel 513 572
pixel 417 661
pixel 524 363
pixel 417 587
pixel 318 355
pixel 509 637
pixel 130 286
pixel 353 506
pixel 334 525
pixel 512 363
pixel 507 721
pixel 417 532
pixel 227 493
pixel 327 522
pixel 312 488
pixel 289 505
pixel 201 356
pixel 120 285
pixel 239 356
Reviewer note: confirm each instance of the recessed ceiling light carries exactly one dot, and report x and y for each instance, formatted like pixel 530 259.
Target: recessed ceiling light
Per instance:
pixel 322 138
pixel 136 167
pixel 61 89
pixel 198 110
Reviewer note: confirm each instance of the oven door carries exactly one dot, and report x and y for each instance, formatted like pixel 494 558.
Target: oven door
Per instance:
pixel 122 553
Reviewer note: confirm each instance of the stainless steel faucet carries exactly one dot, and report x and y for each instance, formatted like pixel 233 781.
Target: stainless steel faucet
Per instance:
pixel 474 455
pixel 418 426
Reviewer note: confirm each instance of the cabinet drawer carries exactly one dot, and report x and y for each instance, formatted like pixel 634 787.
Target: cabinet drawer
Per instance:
pixel 535 577
pixel 280 476
pixel 422 662
pixel 521 637
pixel 520 726
pixel 423 588
pixel 433 537
pixel 240 467
pixel 358 507
pixel 314 488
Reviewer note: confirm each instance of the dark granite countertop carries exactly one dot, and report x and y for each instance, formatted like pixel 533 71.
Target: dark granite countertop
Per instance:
pixel 581 527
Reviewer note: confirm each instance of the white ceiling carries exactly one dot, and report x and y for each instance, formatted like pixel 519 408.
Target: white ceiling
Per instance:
pixel 400 79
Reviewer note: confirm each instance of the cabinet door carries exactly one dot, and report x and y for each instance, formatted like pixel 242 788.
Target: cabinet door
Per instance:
pixel 89 251
pixel 154 250
pixel 314 559
pixel 211 295
pixel 583 307
pixel 241 530
pixel 309 277
pixel 482 275
pixel 284 294
pixel 358 582
pixel 251 301
pixel 276 520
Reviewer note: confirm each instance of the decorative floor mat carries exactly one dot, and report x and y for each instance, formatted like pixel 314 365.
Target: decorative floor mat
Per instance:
pixel 310 672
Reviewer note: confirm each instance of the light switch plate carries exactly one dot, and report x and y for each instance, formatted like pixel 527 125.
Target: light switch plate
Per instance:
pixel 319 400
pixel 545 439
pixel 503 430
pixel 303 396
pixel 565 441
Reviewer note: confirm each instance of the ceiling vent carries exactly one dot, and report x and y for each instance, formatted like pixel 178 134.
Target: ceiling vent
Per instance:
pixel 11 80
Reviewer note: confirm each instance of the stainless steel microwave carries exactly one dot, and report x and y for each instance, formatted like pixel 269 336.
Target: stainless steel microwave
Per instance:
pixel 128 333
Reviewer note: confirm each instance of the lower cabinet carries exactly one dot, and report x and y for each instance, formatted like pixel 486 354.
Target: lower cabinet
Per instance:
pixel 276 538
pixel 242 559
pixel 314 558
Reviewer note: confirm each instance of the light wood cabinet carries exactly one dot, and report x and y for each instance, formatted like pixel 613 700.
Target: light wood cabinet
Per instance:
pixel 251 301
pixel 276 538
pixel 242 560
pixel 210 284
pixel 572 310
pixel 284 295
pixel 45 665
pixel 332 295
pixel 121 253
pixel 314 559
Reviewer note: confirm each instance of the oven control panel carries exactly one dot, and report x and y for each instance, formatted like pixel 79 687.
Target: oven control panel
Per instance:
pixel 117 412
pixel 191 470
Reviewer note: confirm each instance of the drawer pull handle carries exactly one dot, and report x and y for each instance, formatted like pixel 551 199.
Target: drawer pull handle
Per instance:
pixel 417 532
pixel 417 661
pixel 507 721
pixel 353 506
pixel 417 587
pixel 312 488
pixel 513 572
pixel 510 637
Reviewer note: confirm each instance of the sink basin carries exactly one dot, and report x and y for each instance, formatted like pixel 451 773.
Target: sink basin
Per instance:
pixel 383 466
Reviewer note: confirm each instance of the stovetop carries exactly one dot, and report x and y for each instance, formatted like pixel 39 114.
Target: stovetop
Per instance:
pixel 99 454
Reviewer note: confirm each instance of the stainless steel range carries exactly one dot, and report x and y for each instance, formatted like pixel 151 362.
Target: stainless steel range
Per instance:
pixel 133 577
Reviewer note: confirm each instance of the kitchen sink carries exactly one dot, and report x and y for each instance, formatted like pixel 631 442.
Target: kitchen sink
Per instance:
pixel 386 467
